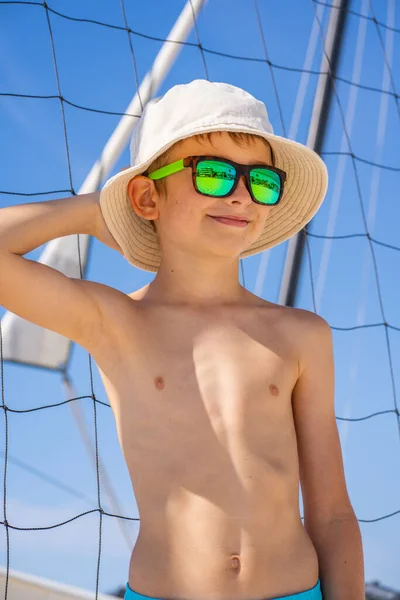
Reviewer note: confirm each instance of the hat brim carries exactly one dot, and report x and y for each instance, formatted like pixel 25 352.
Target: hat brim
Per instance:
pixel 305 189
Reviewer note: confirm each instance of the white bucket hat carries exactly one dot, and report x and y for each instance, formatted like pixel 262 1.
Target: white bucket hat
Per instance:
pixel 203 106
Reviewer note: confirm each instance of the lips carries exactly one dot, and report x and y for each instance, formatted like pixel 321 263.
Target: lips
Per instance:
pixel 231 217
pixel 233 222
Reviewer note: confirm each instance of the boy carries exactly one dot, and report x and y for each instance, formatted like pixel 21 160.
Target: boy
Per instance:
pixel 223 401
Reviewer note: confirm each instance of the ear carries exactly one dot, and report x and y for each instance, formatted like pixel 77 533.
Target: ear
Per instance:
pixel 143 197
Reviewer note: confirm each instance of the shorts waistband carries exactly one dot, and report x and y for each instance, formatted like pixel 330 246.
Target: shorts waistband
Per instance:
pixel 312 594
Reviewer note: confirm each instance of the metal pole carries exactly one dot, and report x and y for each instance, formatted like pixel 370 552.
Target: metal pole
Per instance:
pixel 316 136
pixel 91 451
pixel 47 347
pixel 150 84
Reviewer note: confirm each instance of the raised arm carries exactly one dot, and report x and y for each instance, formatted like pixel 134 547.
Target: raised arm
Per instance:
pixel 37 292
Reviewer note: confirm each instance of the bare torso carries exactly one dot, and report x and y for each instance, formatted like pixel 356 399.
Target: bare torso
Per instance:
pixel 202 403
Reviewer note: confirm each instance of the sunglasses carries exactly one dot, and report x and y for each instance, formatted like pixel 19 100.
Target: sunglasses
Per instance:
pixel 217 177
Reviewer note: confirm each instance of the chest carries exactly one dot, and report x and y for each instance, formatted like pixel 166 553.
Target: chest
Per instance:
pixel 224 373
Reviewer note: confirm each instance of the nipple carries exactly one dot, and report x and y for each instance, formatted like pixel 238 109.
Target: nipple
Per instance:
pixel 159 383
pixel 274 390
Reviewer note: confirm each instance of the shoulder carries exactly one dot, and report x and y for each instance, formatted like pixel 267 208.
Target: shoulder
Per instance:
pixel 309 321
pixel 105 295
pixel 299 320
pixel 310 325
pixel 313 336
pixel 114 305
pixel 304 331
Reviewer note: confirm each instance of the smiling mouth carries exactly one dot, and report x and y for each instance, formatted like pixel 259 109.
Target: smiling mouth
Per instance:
pixel 231 222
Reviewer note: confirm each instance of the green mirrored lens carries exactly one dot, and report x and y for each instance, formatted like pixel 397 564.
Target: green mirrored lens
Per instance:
pixel 266 185
pixel 214 178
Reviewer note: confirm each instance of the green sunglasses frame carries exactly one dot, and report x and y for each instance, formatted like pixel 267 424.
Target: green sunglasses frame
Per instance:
pixel 193 161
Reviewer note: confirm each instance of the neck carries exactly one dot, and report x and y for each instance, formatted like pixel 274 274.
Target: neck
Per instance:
pixel 198 283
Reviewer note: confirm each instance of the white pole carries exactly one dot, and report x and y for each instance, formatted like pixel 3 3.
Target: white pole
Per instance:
pixel 24 341
pixel 54 253
pixel 150 85
pixel 91 451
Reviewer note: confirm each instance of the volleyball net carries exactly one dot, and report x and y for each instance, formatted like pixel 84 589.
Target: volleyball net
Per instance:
pixel 75 80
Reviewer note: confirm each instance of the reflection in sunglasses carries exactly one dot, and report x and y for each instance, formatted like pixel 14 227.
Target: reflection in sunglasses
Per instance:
pixel 210 172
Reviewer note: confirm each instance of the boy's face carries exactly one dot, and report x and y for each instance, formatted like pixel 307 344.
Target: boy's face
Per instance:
pixel 184 221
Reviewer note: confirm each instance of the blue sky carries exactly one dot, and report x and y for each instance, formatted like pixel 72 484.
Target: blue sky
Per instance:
pixel 96 71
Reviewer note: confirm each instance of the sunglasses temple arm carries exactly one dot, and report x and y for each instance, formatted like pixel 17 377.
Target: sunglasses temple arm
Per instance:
pixel 167 170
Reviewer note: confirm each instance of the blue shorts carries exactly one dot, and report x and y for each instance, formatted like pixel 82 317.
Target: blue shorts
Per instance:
pixel 313 594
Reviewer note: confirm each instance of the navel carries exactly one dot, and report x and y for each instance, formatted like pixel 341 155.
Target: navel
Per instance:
pixel 274 390
pixel 235 563
pixel 159 383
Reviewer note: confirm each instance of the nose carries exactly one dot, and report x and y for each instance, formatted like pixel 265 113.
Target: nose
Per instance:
pixel 241 193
